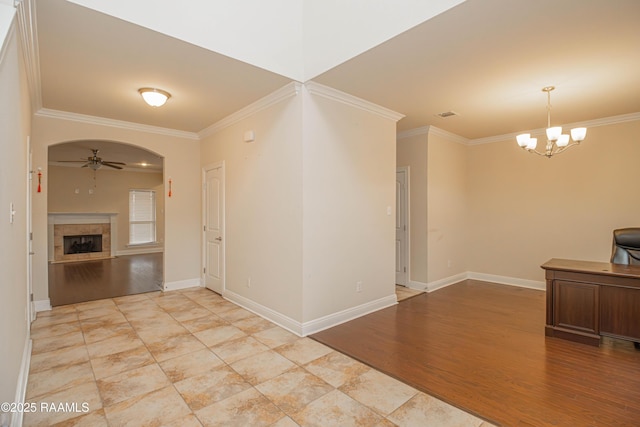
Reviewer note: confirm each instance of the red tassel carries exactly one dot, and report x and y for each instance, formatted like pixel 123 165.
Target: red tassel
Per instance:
pixel 39 181
pixel 169 187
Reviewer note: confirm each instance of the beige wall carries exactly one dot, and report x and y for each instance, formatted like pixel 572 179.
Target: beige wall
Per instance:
pixel 109 193
pixel 15 118
pixel 525 209
pixel 306 206
pixel 447 207
pixel 348 185
pixel 182 210
pixel 411 151
pixel 263 199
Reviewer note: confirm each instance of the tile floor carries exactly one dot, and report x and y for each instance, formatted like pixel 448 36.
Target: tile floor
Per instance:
pixel 191 358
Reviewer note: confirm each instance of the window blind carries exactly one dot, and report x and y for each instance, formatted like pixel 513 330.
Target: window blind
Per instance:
pixel 142 217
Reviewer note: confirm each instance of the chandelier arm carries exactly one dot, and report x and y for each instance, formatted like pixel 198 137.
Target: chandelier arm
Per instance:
pixel 561 149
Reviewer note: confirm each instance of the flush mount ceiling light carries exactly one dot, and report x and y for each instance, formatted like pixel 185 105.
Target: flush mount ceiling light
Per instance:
pixel 154 97
pixel 557 142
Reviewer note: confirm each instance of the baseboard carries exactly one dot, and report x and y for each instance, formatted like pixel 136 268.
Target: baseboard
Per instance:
pixel 504 280
pixel 139 251
pixel 343 316
pixel 265 312
pixel 419 286
pixel 447 281
pixel 182 284
pixel 313 326
pixel 23 378
pixel 42 305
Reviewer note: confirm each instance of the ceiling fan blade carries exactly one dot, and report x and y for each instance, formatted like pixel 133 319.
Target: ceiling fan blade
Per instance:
pixel 71 161
pixel 86 165
pixel 111 165
pixel 114 163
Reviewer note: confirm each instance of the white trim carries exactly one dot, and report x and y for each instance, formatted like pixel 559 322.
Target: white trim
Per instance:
pixel 343 316
pixel 26 13
pixel 287 91
pixel 120 124
pixel 313 326
pixel 265 312
pixel 447 281
pixel 424 130
pixel 223 229
pixel 140 249
pixel 420 286
pixel 448 135
pixel 590 123
pixel 23 378
pixel 336 95
pixel 182 284
pixel 42 305
pixel 512 281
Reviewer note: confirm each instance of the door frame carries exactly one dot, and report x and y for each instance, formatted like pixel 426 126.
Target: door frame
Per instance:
pixel 407 221
pixel 223 245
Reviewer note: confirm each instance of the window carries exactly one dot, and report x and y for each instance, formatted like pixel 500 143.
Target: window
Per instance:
pixel 142 217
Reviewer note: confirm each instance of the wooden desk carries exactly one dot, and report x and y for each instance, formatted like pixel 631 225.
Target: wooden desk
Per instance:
pixel 586 300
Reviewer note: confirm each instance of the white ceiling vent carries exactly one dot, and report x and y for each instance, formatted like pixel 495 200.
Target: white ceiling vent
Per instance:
pixel 447 114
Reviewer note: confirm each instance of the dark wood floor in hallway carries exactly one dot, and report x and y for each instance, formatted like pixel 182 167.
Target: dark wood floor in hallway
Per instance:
pixel 481 347
pixel 75 282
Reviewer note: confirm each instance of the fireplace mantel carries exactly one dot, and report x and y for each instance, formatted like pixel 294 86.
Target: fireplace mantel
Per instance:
pixel 58 219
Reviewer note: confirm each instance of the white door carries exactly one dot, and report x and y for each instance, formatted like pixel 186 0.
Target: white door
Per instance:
pixel 402 247
pixel 214 229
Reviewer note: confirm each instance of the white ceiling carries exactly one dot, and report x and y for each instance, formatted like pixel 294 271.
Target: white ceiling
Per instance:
pixel 484 59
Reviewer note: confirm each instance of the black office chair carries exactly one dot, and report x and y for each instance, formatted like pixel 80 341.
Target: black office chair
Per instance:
pixel 626 246
pixel 626 250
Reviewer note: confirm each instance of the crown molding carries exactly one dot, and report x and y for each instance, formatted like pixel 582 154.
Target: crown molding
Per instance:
pixel 336 95
pixel 448 135
pixel 424 130
pixel 432 130
pixel 287 91
pixel 606 121
pixel 120 124
pixel 26 16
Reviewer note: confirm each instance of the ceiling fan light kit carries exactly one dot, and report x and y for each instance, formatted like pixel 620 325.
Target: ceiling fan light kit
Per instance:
pixel 153 96
pixel 557 142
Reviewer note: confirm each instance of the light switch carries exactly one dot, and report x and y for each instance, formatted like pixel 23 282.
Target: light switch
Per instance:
pixel 388 210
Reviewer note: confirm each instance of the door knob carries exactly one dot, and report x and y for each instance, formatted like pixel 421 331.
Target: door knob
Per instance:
pixel 219 239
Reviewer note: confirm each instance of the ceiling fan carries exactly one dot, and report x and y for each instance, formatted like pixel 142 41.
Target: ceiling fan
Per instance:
pixel 94 162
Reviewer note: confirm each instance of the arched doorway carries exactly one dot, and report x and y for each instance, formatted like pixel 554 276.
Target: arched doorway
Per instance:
pixel 105 210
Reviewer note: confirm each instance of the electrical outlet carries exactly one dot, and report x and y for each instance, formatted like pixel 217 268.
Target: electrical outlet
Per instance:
pixel 449 263
pixel 248 282
pixel 359 286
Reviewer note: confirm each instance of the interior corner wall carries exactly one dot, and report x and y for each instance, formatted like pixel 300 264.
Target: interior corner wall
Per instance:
pixel 412 152
pixel 182 248
pixel 15 117
pixel 263 205
pixel 447 207
pixel 525 209
pixel 104 191
pixel 348 206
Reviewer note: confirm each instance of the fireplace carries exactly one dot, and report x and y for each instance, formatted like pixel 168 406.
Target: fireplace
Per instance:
pixel 82 244
pixel 81 236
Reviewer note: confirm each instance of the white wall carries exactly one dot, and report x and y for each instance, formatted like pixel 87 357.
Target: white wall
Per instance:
pixel 182 210
pixel 15 118
pixel 348 186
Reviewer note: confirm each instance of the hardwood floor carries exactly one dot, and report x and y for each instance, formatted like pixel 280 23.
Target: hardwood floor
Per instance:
pixel 75 282
pixel 481 347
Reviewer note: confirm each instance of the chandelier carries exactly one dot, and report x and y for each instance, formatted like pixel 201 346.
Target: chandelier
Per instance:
pixel 557 142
